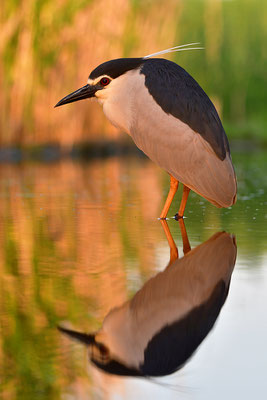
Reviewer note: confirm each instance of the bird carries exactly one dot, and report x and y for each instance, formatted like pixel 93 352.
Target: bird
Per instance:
pixel 171 119
pixel 158 330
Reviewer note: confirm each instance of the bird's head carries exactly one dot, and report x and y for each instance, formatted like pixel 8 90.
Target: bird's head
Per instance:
pixel 102 79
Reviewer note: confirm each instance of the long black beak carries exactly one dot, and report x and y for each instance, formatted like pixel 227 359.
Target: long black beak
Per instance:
pixel 83 93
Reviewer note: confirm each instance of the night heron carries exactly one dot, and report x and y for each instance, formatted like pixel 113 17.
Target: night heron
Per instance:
pixel 159 329
pixel 171 119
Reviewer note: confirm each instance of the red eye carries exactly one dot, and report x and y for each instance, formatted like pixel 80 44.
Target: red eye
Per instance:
pixel 104 81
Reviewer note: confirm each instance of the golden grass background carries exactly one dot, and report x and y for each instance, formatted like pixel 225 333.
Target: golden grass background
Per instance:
pixel 47 50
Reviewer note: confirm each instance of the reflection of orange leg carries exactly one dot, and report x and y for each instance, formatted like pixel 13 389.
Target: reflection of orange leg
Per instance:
pixel 183 202
pixel 186 244
pixel 173 189
pixel 173 249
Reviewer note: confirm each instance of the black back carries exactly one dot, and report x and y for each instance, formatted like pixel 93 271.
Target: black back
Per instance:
pixel 178 94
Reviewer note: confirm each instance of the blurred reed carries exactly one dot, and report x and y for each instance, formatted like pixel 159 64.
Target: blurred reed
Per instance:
pixel 48 48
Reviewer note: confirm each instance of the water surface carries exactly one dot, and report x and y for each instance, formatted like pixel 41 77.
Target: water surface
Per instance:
pixel 78 239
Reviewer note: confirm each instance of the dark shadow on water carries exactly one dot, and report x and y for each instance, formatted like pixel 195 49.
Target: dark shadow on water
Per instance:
pixel 159 329
pixel 52 152
pixel 90 150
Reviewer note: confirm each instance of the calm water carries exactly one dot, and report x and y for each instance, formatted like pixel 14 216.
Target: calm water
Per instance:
pixel 78 240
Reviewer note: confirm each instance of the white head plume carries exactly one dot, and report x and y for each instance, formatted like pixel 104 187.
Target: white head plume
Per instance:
pixel 183 47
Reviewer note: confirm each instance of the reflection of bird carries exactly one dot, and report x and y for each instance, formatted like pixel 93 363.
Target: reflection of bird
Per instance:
pixel 158 330
pixel 171 119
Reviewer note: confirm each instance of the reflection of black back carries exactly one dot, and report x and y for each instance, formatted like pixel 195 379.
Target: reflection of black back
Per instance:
pixel 160 328
pixel 169 349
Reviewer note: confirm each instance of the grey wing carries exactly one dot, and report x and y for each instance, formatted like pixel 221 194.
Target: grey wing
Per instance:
pixel 178 94
pixel 181 151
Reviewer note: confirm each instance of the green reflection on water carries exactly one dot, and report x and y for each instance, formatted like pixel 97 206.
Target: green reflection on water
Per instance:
pixel 79 239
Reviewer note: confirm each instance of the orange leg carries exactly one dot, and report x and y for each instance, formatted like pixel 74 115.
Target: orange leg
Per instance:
pixel 186 244
pixel 173 189
pixel 183 202
pixel 173 249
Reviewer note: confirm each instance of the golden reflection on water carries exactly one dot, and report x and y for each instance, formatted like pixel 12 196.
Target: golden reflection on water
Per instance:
pixel 66 234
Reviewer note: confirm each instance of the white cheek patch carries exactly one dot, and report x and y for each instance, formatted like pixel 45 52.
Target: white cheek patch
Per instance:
pixel 100 95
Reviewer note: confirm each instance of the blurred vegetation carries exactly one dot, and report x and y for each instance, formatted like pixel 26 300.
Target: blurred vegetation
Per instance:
pixel 48 48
